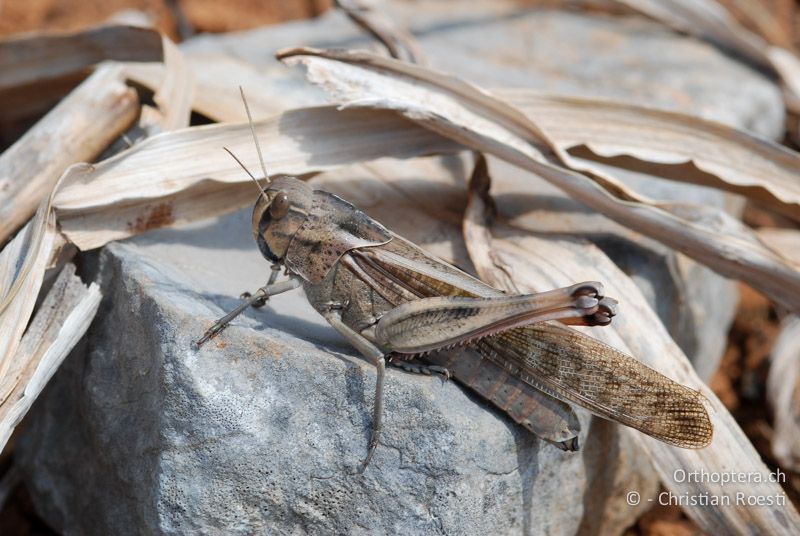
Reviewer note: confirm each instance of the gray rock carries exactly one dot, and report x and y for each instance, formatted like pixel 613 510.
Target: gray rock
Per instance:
pixel 260 431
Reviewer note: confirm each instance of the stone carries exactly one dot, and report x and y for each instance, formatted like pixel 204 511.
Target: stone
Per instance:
pixel 260 431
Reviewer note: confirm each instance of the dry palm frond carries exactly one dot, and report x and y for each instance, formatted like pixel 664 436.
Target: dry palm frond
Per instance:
pixel 485 123
pixel 639 332
pixel 783 392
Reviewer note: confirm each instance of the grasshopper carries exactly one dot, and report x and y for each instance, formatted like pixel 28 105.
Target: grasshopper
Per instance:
pixel 394 302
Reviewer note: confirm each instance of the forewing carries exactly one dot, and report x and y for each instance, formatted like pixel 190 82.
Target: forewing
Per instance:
pixel 576 368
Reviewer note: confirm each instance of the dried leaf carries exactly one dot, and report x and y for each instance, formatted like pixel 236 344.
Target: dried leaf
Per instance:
pixel 215 96
pixel 36 57
pixel 176 177
pixel 783 393
pixel 477 235
pixel 78 129
pixel 63 318
pixel 468 115
pixel 398 41
pixel 787 241
pixel 788 67
pixel 667 144
pixel 22 265
pixel 37 69
pixel 94 114
pixel 174 94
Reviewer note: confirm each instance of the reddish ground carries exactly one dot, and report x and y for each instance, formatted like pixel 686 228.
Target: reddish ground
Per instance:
pixel 17 16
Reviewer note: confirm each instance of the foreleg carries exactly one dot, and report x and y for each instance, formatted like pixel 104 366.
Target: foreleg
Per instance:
pixel 262 294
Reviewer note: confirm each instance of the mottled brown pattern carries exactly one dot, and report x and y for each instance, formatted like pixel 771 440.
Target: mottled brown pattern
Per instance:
pixel 581 370
pixel 279 234
pixel 511 395
pixel 352 283
pixel 548 418
pixel 332 228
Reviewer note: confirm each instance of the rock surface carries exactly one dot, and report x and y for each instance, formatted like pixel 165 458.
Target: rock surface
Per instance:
pixel 260 430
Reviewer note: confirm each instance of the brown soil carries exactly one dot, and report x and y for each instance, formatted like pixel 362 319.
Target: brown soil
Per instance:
pixel 18 16
pixel 665 521
pixel 169 16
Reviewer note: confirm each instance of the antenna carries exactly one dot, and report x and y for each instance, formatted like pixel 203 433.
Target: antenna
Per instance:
pixel 253 131
pixel 260 189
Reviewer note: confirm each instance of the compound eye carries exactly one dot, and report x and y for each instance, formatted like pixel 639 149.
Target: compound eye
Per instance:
pixel 279 206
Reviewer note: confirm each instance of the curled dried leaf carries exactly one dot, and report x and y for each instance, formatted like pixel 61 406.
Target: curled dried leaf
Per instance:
pixel 398 41
pixel 78 129
pixel 179 176
pixel 783 393
pixel 638 331
pixel 63 318
pixel 484 123
pixel 667 144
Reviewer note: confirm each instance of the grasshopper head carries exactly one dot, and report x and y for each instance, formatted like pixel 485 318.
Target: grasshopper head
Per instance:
pixel 278 214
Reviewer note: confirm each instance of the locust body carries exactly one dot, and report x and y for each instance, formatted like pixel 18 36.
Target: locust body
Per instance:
pixel 392 300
